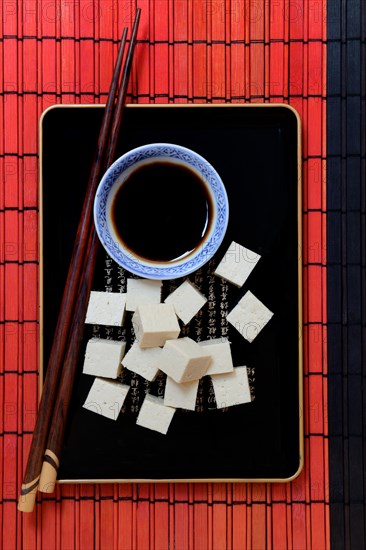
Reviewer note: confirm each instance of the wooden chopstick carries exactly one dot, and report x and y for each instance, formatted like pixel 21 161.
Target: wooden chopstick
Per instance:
pixel 55 363
pixel 71 361
pixel 70 294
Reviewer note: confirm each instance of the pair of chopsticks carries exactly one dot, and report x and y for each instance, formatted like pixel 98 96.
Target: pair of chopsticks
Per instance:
pixel 48 436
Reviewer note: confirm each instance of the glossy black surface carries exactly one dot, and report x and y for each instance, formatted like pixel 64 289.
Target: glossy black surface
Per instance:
pixel 255 152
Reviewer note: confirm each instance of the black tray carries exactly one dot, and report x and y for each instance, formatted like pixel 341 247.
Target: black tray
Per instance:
pixel 256 150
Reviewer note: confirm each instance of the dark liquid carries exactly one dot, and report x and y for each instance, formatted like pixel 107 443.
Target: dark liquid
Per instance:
pixel 162 211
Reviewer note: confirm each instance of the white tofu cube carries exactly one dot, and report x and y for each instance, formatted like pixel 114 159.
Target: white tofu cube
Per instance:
pixel 154 324
pixel 144 362
pixel 232 388
pixel 106 308
pixel 181 396
pixel 237 264
pixel 249 316
pixel 155 415
pixel 221 355
pixel 187 301
pixel 106 398
pixel 141 292
pixel 103 357
pixel 184 360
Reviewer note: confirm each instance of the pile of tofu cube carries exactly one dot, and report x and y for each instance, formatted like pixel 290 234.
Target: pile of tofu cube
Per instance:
pixel 158 347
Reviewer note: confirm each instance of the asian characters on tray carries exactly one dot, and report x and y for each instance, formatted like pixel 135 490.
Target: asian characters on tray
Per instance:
pixel 159 347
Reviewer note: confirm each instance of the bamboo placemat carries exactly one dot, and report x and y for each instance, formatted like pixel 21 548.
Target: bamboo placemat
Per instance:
pixel 346 85
pixel 55 51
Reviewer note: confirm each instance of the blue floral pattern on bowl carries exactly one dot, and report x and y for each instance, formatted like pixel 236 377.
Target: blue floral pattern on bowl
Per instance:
pixel 140 266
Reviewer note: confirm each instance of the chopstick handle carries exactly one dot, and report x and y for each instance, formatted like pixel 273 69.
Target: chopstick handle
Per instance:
pixel 58 425
pixel 34 464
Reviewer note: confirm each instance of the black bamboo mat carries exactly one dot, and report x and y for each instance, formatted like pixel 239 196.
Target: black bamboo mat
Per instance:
pixel 346 250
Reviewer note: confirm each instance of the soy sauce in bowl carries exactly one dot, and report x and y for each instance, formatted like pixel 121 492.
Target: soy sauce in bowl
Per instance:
pixel 162 211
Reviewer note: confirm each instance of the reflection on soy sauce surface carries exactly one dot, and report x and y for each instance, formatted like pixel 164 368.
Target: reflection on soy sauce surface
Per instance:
pixel 162 211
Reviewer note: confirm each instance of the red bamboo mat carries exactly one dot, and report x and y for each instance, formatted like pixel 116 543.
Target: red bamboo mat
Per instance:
pixel 62 51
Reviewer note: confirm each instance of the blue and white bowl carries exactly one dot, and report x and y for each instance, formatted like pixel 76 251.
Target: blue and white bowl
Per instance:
pixel 114 178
